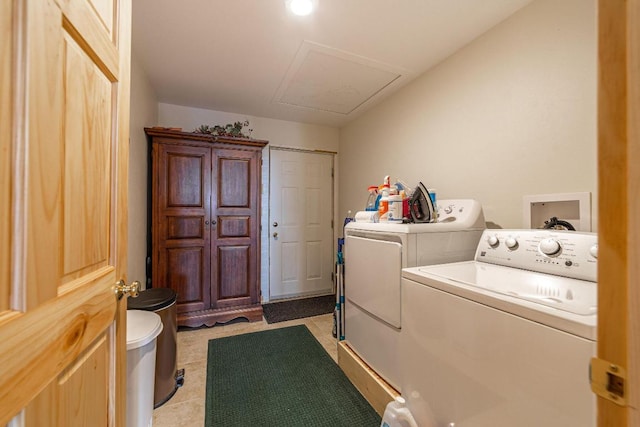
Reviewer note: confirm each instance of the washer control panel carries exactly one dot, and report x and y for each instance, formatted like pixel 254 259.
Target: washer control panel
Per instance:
pixel 558 252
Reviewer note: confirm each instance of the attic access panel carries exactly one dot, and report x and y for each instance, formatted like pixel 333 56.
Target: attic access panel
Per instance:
pixel 327 79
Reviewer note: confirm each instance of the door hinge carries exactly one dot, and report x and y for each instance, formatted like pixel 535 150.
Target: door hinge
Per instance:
pixel 331 172
pixel 608 380
pixel 332 224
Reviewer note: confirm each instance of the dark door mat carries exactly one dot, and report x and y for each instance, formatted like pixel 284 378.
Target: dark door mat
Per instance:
pixel 297 309
pixel 281 377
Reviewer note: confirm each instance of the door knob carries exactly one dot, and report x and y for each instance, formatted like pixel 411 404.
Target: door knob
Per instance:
pixel 122 289
pixel 275 235
pixel 275 224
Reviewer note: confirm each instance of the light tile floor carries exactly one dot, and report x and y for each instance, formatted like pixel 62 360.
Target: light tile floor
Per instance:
pixel 186 407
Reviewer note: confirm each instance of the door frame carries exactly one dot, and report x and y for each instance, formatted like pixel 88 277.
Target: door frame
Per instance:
pixel 619 204
pixel 265 267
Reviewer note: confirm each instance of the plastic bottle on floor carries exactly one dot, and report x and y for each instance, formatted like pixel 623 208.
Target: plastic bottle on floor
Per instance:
pixel 396 414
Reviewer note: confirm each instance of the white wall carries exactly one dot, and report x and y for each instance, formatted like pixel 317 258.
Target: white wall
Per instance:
pixel 144 113
pixel 511 114
pixel 279 133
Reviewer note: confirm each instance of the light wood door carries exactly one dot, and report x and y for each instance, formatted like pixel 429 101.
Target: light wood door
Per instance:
pixel 64 97
pixel 301 233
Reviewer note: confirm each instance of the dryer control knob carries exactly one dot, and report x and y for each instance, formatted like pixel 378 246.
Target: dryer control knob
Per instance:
pixel 511 243
pixel 594 251
pixel 550 247
pixel 493 241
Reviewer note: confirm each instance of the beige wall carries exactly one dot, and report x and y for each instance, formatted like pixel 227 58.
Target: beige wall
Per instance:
pixel 144 113
pixel 279 133
pixel 511 114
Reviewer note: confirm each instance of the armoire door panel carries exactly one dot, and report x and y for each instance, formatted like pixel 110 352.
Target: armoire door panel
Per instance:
pixel 233 182
pixel 185 273
pixel 185 227
pixel 185 183
pixel 233 226
pixel 233 272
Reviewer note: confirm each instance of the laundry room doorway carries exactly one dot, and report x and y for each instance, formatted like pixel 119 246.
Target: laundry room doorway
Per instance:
pixel 300 223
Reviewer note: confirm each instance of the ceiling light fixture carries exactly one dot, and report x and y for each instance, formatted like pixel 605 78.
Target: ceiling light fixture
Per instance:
pixel 301 7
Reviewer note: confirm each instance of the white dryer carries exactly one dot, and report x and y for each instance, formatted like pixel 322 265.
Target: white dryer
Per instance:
pixel 506 339
pixel 375 254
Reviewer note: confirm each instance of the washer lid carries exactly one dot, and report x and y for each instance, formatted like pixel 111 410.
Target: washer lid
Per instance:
pixel 549 300
pixel 142 328
pixel 562 293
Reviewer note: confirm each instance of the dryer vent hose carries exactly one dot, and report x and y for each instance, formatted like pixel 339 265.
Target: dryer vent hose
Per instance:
pixel 557 224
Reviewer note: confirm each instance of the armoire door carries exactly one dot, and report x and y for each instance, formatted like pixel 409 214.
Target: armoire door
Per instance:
pixel 64 96
pixel 182 223
pixel 236 215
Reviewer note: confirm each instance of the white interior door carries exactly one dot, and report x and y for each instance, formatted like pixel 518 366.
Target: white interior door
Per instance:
pixel 300 229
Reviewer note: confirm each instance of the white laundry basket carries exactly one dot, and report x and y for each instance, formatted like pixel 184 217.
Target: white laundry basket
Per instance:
pixel 142 329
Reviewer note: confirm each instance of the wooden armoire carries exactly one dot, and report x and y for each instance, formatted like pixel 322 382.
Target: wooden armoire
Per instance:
pixel 205 224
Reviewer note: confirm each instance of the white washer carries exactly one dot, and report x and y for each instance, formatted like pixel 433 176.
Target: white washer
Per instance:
pixel 375 254
pixel 506 339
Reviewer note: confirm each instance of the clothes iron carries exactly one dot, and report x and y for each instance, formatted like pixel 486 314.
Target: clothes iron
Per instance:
pixel 421 206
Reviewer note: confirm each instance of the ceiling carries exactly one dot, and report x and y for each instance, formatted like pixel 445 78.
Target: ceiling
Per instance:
pixel 253 57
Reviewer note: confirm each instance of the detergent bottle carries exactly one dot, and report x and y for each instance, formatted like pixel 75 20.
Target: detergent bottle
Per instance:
pixel 372 201
pixel 396 414
pixel 383 204
pixel 405 204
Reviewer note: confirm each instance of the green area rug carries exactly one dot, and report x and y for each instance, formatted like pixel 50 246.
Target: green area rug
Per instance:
pixel 281 377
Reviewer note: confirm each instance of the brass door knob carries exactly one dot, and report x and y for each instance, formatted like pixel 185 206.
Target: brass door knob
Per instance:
pixel 275 235
pixel 122 289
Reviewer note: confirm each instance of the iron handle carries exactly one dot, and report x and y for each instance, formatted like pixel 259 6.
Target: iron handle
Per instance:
pixel 275 235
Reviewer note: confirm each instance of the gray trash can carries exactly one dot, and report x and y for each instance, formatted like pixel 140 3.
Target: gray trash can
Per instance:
pixel 168 377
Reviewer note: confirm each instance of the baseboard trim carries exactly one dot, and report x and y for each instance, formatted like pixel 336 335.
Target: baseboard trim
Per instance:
pixel 376 390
